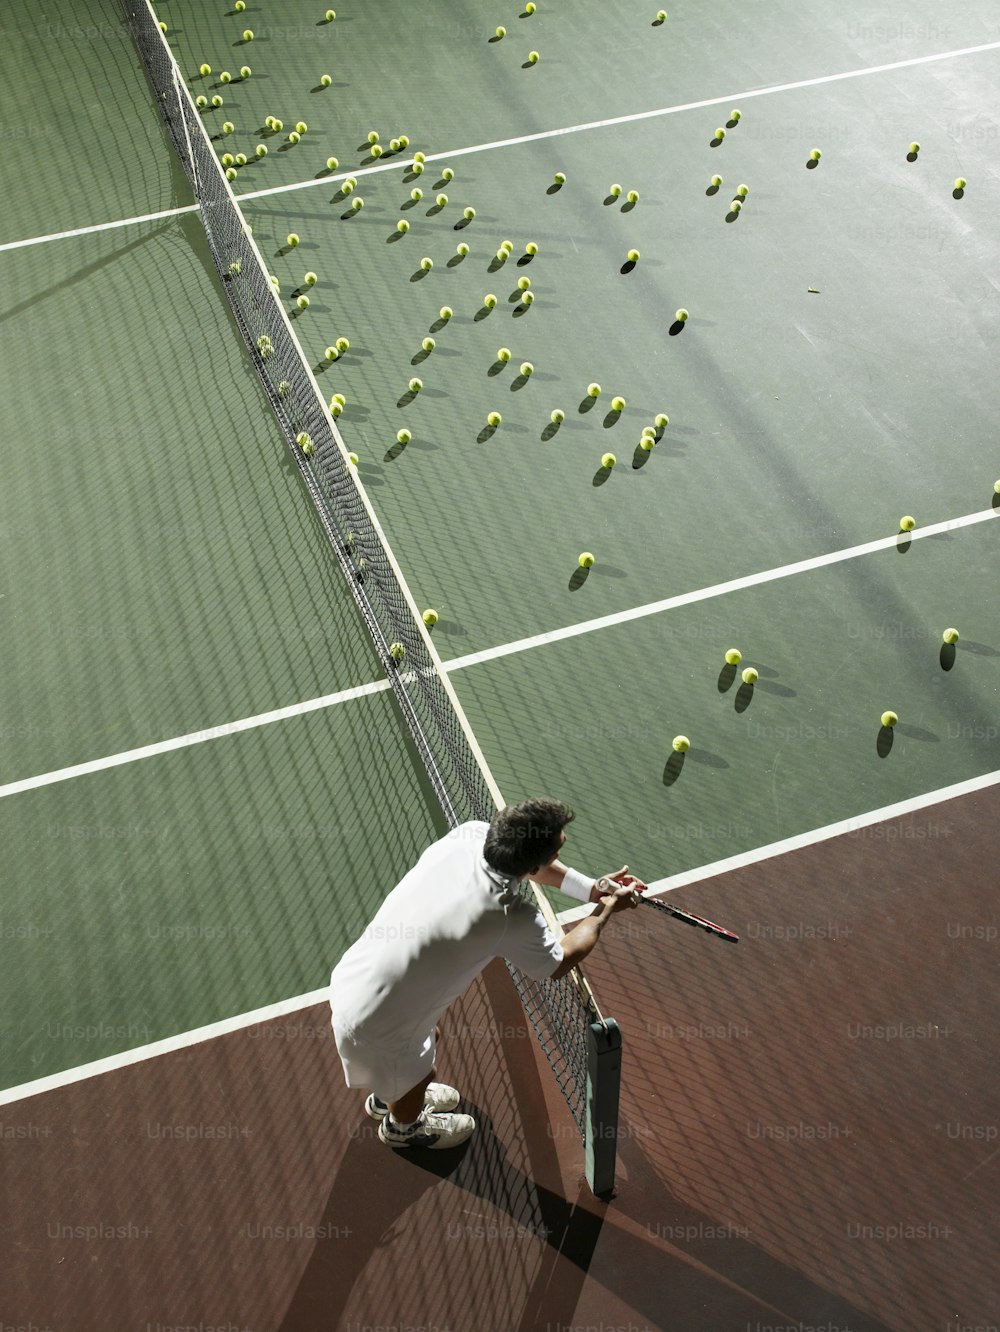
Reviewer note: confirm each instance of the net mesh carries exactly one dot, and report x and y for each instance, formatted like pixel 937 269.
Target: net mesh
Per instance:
pixel 560 1011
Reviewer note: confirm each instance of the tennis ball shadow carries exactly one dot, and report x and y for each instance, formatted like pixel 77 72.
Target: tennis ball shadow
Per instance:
pixel 731 123
pixel 486 433
pixel 602 476
pixel 518 382
pixel 412 175
pixel 677 327
pixel 732 216
pixel 726 677
pixel 496 368
pixel 519 311
pixel 554 188
pixel 461 225
pixel 348 213
pixel 406 399
pixel 657 23
pixel 958 194
pixel 524 259
pixel 609 199
pixel 408 204
pixel 550 431
pixel 640 458
pixel 419 275
pixel 482 313
pixel 627 266
pixel 514 296
pixel 629 205
pixel 673 768
pixel 712 189
pixel 948 655
pixel 451 629
pixel 439 324
pixel 587 405
pixel 811 165
pixel 917 733
pixel 912 157
pixel 903 542
pixel 772 687
pixel 435 209
pixel 528 64
pixel 578 578
pixel 496 264
pixel 744 697
pixel 420 357
pixel 996 501
pixel 392 453
pixel 612 418
pixel 455 260
pixel 714 143
pixel 883 744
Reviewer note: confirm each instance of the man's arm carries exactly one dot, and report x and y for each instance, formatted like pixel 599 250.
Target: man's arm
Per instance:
pixel 552 875
pixel 581 940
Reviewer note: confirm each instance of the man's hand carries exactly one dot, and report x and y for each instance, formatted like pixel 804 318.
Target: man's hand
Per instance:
pixel 621 879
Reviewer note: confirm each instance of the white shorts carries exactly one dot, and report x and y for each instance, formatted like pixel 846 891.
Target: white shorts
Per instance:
pixel 390 1072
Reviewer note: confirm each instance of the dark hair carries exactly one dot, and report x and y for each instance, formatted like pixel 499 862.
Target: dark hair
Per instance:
pixel 523 837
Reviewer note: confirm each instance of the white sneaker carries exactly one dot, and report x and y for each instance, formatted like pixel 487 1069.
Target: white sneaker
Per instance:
pixel 433 1129
pixel 438 1096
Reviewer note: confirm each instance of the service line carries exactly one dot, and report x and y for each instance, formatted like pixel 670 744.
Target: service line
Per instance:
pixel 727 98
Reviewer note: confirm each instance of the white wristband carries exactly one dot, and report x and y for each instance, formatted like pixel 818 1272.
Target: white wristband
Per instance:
pixel 576 885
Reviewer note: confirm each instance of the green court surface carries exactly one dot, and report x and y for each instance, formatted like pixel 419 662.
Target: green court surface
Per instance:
pixel 835 647
pixel 81 144
pixel 164 573
pixel 773 391
pixel 170 893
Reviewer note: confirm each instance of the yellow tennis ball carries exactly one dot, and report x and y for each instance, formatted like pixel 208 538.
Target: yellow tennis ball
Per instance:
pixel 248 34
pixel 204 70
pixel 593 390
pixel 907 523
pixel 402 226
pixel 950 636
pixel 889 719
pixel 733 657
pixel 292 239
pixel 682 316
pixel 608 460
pixel 504 354
pixel 430 618
pixel 403 436
pixel 681 744
pixel 585 560
pixel 397 651
pixel 617 404
pixel 494 419
pixel 961 183
pixel 750 676
pixel 533 57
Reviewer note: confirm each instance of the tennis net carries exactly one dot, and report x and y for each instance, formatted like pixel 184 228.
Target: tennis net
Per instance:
pixel 582 1047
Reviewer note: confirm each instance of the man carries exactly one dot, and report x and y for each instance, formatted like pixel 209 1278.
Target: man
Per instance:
pixel 457 909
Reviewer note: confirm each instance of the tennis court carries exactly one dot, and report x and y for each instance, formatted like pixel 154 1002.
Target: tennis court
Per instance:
pixel 227 731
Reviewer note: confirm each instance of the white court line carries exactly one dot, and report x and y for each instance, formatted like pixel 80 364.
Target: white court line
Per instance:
pixel 490 654
pixel 226 1026
pixel 395 165
pixel 99 226
pixel 707 593
pixel 802 840
pixel 167 1046
pixel 732 98
pixel 194 738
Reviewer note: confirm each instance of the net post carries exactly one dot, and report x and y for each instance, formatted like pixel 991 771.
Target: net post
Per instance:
pixel 604 1066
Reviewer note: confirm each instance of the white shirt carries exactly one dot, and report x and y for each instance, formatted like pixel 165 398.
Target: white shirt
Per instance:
pixel 433 934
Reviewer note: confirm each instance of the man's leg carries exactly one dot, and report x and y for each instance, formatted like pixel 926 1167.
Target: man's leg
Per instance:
pixel 408 1107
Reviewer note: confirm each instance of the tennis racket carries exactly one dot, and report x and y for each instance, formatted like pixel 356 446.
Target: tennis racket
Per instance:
pixel 689 918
